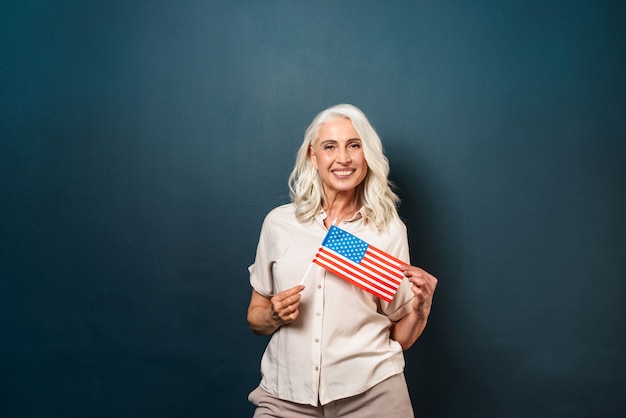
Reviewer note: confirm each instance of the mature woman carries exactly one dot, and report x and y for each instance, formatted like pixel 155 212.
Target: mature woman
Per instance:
pixel 336 350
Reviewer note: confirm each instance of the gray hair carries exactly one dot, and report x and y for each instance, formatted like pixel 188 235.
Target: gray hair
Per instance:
pixel 375 191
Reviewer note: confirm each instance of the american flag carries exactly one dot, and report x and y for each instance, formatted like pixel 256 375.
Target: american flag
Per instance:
pixel 361 264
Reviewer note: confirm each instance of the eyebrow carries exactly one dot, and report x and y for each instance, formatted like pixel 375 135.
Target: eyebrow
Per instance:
pixel 334 140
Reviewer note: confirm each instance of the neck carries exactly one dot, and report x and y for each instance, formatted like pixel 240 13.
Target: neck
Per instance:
pixel 340 206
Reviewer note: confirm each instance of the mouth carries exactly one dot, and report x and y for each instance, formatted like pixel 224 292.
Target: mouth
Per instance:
pixel 342 173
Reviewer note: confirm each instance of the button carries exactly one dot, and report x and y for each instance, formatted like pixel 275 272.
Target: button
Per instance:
pixel 317 340
pixel 319 286
pixel 316 368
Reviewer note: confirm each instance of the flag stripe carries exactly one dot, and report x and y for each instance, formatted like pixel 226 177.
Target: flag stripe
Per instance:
pixel 395 276
pixel 331 266
pixel 393 280
pixel 386 295
pixel 367 276
pixel 384 255
pixel 392 269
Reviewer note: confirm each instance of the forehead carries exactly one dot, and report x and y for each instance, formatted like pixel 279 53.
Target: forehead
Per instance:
pixel 337 128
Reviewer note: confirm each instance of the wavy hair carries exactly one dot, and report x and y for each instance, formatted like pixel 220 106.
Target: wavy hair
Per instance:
pixel 374 193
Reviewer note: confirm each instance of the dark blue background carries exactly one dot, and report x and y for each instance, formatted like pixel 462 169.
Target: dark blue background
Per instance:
pixel 142 143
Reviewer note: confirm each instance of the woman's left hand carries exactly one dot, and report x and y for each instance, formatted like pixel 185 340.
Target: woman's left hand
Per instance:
pixel 423 286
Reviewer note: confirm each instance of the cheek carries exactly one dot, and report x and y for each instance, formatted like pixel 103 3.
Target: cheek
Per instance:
pixel 361 160
pixel 364 167
pixel 321 160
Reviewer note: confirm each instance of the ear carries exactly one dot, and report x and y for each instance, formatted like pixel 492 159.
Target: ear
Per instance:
pixel 313 157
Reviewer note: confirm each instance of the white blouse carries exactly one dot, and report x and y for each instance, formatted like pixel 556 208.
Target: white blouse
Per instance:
pixel 339 346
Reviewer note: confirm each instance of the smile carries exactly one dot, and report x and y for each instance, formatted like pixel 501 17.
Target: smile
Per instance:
pixel 343 173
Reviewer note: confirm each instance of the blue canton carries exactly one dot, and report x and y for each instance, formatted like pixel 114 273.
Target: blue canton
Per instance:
pixel 346 244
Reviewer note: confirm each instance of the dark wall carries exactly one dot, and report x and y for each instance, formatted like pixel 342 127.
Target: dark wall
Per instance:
pixel 142 143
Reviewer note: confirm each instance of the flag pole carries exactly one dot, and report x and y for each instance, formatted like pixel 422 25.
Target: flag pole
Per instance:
pixel 306 274
pixel 311 265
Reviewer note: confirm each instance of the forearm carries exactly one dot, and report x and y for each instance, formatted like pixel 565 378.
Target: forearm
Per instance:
pixel 407 330
pixel 262 321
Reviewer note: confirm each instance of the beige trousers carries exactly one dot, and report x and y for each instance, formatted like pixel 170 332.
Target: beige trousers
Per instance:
pixel 389 398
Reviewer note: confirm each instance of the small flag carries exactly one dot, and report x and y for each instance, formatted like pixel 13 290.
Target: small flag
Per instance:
pixel 359 263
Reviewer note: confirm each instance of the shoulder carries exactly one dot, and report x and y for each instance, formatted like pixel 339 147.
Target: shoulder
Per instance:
pixel 396 228
pixel 281 216
pixel 287 208
pixel 386 239
pixel 281 213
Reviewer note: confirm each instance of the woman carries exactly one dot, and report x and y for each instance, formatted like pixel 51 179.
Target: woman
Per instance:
pixel 335 350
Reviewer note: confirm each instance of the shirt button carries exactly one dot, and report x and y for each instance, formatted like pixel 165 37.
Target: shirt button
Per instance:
pixel 316 368
pixel 317 340
pixel 319 286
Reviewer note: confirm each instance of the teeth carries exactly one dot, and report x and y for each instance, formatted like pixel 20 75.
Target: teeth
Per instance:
pixel 343 173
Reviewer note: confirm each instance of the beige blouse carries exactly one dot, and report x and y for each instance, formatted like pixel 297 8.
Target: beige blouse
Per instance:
pixel 339 346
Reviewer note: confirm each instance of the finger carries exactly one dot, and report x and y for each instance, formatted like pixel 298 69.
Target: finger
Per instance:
pixel 407 269
pixel 287 295
pixel 430 283
pixel 416 280
pixel 292 291
pixel 414 272
pixel 423 295
pixel 423 278
pixel 291 300
pixel 289 314
pixel 287 306
pixel 424 284
pixel 284 315
pixel 420 285
pixel 290 304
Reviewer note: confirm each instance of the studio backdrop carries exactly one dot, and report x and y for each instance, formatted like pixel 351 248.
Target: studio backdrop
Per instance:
pixel 143 142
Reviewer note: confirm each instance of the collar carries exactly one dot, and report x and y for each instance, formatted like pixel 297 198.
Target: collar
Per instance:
pixel 322 215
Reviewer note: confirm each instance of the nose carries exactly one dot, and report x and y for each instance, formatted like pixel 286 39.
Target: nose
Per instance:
pixel 344 156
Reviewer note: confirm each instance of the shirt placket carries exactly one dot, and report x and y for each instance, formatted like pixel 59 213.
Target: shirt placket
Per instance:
pixel 316 335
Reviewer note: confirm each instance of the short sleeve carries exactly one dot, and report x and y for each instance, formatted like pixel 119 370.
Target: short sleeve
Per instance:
pixel 261 278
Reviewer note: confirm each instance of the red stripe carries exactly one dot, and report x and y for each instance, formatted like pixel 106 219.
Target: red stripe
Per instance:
pixel 381 261
pixel 394 275
pixel 357 284
pixel 363 270
pixel 390 257
pixel 341 270
pixel 365 285
pixel 345 273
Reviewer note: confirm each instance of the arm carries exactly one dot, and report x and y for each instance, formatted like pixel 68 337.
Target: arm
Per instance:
pixel 408 329
pixel 266 315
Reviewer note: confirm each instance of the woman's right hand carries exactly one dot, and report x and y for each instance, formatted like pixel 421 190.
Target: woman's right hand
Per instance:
pixel 284 305
pixel 266 315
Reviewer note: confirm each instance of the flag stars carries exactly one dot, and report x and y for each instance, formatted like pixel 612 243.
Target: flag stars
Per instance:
pixel 346 244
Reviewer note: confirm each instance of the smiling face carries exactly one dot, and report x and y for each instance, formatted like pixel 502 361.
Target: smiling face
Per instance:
pixel 337 155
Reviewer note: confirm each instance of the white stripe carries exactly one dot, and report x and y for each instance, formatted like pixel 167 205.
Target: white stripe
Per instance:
pixel 378 292
pixel 369 263
pixel 389 259
pixel 347 263
pixel 381 275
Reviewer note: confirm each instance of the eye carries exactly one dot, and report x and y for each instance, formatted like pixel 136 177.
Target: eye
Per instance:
pixel 355 145
pixel 329 146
